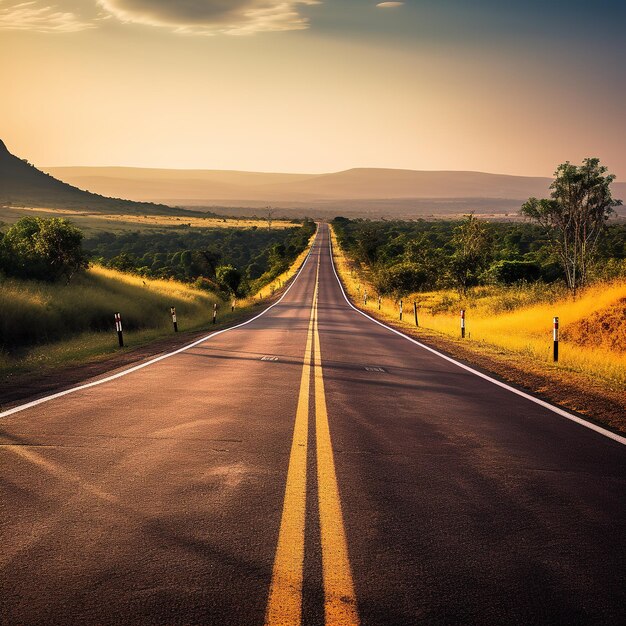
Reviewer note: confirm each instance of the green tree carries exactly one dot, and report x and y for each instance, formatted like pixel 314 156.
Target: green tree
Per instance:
pixel 401 279
pixel 44 249
pixel 124 262
pixel 575 215
pixel 472 250
pixel 229 279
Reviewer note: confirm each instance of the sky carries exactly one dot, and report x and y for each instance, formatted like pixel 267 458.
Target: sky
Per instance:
pixel 315 86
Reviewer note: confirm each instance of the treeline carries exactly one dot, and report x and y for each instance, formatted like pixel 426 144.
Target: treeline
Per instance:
pixel 235 260
pixel 405 257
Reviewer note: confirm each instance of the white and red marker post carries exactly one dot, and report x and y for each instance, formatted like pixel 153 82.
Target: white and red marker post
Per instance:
pixel 215 313
pixel 555 340
pixel 401 307
pixel 118 328
pixel 173 312
pixel 462 323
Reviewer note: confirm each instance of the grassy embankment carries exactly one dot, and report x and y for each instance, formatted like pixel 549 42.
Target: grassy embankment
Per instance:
pixel 45 325
pixel 517 323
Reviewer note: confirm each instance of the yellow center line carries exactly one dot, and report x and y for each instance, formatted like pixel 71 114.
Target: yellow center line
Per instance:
pixel 339 597
pixel 285 599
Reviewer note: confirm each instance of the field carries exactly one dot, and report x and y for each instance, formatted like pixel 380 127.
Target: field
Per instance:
pixel 518 321
pixel 92 221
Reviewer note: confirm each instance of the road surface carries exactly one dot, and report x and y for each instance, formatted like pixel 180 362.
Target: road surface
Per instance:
pixel 308 467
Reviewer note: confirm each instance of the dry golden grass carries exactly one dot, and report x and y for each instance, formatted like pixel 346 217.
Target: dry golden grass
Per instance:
pixel 518 321
pixel 52 325
pixel 157 220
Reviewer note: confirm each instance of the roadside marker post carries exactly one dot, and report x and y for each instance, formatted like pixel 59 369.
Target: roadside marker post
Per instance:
pixel 379 300
pixel 173 312
pixel 400 310
pixel 555 340
pixel 462 323
pixel 365 298
pixel 215 313
pixel 118 328
pixel 415 312
pixel 232 306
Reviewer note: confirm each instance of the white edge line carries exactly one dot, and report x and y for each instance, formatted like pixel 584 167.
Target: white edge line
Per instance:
pixel 543 403
pixel 130 370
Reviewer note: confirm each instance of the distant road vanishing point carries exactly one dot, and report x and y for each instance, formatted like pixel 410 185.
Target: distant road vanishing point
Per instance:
pixel 309 466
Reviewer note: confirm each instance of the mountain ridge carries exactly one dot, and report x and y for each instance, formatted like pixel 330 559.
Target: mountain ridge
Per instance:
pixel 218 186
pixel 23 184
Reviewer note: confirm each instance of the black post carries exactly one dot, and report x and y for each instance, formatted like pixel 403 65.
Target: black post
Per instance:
pixel 555 341
pixel 462 323
pixel 400 310
pixel 415 312
pixel 379 298
pixel 215 312
pixel 173 312
pixel 118 328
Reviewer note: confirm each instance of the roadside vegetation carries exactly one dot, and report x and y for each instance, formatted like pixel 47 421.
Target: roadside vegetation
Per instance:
pixel 511 279
pixel 58 301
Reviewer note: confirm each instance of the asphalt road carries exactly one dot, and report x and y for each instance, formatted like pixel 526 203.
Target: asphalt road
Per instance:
pixel 308 467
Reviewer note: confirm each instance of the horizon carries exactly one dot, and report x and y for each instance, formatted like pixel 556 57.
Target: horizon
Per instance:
pixel 312 87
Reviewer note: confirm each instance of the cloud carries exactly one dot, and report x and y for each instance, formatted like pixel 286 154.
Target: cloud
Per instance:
pixel 233 17
pixel 389 5
pixel 35 16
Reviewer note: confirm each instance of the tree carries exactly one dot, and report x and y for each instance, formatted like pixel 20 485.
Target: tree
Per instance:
pixel 124 262
pixel 401 279
pixel 427 256
pixel 367 241
pixel 511 272
pixel 229 279
pixel 575 215
pixel 472 249
pixel 44 249
pixel 270 214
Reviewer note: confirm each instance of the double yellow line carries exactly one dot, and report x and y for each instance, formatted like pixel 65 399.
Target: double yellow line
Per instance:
pixel 285 598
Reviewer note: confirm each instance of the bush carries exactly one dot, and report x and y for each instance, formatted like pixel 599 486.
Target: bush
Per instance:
pixel 510 272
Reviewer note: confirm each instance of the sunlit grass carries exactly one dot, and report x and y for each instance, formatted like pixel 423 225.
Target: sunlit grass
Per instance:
pixel 148 221
pixel 45 325
pixel 517 320
pixel 48 324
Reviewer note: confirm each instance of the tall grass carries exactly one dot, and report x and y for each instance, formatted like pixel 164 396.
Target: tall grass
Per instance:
pixel 515 319
pixel 46 325
pixel 52 323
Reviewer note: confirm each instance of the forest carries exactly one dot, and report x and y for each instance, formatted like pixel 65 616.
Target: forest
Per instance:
pixel 250 257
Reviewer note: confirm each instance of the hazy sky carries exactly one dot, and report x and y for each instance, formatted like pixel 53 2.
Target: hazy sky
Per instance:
pixel 306 86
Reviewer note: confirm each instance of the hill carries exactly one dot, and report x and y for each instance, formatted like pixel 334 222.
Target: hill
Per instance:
pixel 22 184
pixel 368 192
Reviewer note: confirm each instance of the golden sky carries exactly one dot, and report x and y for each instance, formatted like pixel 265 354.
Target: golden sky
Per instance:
pixel 304 86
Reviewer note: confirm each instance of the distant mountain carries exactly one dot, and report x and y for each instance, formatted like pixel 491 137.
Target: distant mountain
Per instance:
pixel 22 184
pixel 371 191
